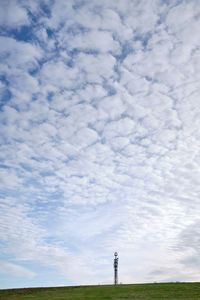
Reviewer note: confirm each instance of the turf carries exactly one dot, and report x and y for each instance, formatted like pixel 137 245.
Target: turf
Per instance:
pixel 155 291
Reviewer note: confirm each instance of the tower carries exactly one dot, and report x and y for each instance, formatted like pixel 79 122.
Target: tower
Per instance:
pixel 116 268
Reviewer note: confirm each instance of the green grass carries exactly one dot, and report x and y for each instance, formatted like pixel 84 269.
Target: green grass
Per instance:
pixel 155 291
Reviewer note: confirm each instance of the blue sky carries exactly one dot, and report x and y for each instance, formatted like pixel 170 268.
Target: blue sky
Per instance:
pixel 100 147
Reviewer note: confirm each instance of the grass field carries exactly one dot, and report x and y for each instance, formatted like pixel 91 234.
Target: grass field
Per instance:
pixel 175 291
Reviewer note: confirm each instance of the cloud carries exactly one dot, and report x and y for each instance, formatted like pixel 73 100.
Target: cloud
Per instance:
pixel 96 67
pixel 123 127
pixel 19 54
pixel 100 139
pixel 16 270
pixel 63 76
pixel 95 41
pixel 13 15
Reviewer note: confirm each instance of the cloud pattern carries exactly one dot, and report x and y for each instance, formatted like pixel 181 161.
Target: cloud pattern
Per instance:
pixel 100 127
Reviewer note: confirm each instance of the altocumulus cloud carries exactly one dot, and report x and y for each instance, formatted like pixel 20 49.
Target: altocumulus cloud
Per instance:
pixel 100 127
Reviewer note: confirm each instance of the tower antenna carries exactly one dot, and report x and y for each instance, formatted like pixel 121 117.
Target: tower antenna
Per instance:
pixel 116 268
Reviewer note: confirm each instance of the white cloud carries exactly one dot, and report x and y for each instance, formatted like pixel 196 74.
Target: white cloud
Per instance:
pixel 57 75
pixel 85 137
pixel 181 15
pixel 60 10
pixel 12 14
pixel 16 270
pixel 123 127
pixel 19 54
pixel 100 140
pixel 100 41
pixel 113 106
pixel 96 67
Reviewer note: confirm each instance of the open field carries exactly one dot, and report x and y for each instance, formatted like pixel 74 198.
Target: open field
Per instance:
pixel 175 291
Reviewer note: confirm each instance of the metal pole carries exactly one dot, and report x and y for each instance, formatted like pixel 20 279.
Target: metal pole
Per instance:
pixel 116 268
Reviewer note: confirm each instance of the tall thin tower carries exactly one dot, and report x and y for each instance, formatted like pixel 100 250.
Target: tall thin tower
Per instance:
pixel 116 268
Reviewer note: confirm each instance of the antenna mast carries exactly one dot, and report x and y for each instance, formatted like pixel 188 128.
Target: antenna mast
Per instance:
pixel 116 268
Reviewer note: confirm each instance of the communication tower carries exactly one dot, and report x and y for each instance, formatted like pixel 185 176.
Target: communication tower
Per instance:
pixel 116 268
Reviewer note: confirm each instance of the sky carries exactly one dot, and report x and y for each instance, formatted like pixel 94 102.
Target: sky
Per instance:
pixel 100 141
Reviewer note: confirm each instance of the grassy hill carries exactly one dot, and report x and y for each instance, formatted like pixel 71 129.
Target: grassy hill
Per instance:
pixel 175 291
